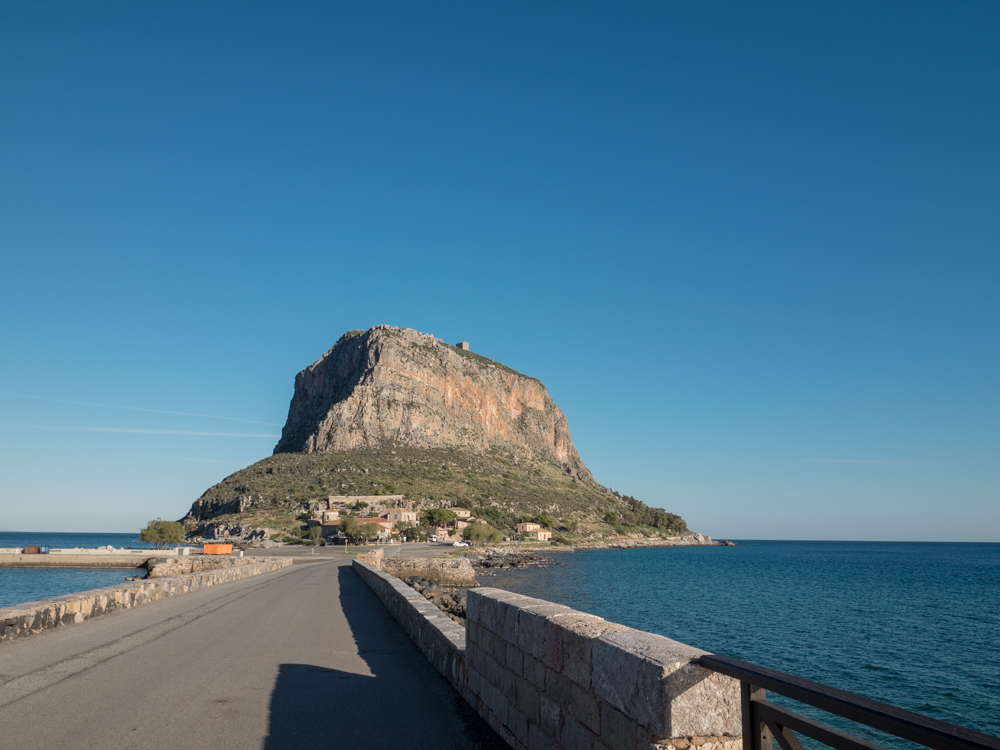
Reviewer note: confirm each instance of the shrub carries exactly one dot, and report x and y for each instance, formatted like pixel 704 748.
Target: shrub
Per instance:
pixel 161 534
pixel 480 532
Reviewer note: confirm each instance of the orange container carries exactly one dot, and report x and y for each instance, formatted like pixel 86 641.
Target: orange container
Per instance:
pixel 217 549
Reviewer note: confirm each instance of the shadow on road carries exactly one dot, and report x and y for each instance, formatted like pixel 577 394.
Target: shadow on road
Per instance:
pixel 316 707
pixel 405 703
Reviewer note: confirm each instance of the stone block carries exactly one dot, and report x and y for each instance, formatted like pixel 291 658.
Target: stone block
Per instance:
pixel 533 671
pixel 578 632
pixel 549 715
pixel 482 605
pixel 489 669
pixel 497 702
pixel 652 680
pixel 506 684
pixel 526 698
pixel 538 740
pixel 619 732
pixel 472 655
pixel 517 722
pixel 585 708
pixel 558 688
pixel 473 680
pixel 574 735
pixel 514 659
pixel 536 634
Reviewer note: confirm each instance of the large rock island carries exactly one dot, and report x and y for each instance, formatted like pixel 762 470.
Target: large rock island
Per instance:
pixel 391 411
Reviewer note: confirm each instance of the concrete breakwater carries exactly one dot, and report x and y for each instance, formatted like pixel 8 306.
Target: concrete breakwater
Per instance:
pixel 28 619
pixel 85 558
pixel 545 675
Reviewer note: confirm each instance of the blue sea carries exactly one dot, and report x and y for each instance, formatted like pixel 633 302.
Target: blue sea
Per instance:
pixel 916 625
pixel 19 585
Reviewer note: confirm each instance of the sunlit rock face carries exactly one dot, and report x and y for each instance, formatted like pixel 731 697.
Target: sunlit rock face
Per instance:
pixel 395 386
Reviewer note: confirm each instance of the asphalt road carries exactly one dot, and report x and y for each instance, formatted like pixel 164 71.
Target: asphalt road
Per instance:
pixel 306 657
pixel 337 552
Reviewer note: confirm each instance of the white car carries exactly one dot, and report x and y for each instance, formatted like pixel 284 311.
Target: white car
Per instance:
pixel 461 544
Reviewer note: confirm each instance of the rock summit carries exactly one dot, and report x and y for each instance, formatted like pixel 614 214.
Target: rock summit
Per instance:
pixel 388 387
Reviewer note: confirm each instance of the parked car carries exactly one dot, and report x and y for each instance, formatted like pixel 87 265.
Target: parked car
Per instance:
pixel 433 537
pixel 460 543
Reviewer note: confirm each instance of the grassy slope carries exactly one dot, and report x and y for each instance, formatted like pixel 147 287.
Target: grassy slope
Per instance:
pixel 490 485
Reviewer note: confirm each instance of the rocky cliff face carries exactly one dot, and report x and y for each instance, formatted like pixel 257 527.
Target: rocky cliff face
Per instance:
pixel 394 386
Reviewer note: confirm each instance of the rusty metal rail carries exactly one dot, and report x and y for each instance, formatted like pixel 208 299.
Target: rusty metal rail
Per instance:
pixel 764 722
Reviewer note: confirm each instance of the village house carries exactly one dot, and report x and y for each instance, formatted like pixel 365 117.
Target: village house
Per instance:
pixel 524 528
pixel 462 513
pixel 324 517
pixel 542 535
pixel 331 533
pixel 395 515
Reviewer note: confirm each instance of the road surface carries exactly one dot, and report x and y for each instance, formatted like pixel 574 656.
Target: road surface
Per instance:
pixel 306 657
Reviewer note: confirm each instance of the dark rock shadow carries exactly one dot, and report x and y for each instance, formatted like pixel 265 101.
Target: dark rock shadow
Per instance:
pixel 406 703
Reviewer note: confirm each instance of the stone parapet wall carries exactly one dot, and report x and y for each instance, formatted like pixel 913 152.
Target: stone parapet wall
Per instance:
pixel 24 620
pixel 440 638
pixel 546 676
pixel 182 565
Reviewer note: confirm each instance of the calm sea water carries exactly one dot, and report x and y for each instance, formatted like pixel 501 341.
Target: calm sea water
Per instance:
pixel 19 585
pixel 912 624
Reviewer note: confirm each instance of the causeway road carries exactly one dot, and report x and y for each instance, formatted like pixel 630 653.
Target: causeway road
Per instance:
pixel 305 657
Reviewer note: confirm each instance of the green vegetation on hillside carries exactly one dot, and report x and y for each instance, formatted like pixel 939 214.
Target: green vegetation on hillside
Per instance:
pixel 273 493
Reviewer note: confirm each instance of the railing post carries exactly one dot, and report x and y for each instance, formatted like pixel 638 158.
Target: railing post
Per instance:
pixel 756 735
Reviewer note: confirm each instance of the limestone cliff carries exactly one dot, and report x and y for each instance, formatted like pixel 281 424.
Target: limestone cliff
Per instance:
pixel 394 386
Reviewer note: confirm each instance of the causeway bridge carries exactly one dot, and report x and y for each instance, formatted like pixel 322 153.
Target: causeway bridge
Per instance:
pixel 333 652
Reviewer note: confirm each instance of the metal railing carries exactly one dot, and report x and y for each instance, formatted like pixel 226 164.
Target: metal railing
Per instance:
pixel 764 722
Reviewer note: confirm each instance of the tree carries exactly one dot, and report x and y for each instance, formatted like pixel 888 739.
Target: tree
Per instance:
pixel 439 517
pixel 358 532
pixel 315 534
pixel 480 532
pixel 162 533
pixel 411 534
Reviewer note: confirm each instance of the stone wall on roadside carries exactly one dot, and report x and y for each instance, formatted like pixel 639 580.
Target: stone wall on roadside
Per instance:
pixel 29 619
pixel 546 676
pixel 373 558
pixel 183 565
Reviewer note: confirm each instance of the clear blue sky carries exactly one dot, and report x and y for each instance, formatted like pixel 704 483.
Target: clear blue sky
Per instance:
pixel 753 250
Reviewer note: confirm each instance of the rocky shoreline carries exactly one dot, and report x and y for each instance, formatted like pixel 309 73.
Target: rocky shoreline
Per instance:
pixel 485 562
